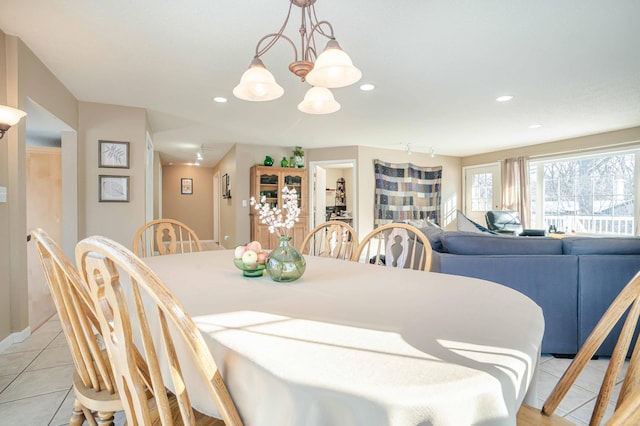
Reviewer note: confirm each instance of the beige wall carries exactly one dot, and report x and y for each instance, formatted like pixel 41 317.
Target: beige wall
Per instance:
pixel 22 76
pixel 195 210
pixel 157 185
pixel 365 180
pixel 118 221
pixel 619 138
pixel 234 216
pixel 228 216
pixel 5 246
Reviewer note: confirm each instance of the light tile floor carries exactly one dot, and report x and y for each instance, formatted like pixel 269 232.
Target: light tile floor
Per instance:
pixel 35 384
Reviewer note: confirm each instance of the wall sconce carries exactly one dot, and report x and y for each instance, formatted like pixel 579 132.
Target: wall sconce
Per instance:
pixel 9 117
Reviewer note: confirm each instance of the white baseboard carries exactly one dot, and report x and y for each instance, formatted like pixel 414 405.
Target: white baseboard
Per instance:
pixel 14 338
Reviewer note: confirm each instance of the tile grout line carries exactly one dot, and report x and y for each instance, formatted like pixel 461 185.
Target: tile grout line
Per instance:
pixel 60 406
pixel 580 406
pixel 25 369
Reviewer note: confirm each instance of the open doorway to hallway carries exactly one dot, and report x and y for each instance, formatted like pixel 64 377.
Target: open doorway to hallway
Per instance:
pixel 51 198
pixel 333 188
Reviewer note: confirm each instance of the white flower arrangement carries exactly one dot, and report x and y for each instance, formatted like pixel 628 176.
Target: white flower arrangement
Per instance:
pixel 273 216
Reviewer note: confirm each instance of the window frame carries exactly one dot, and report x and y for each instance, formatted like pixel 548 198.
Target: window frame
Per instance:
pixel 540 161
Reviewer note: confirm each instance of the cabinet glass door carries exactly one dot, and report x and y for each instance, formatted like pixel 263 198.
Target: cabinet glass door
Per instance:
pixel 294 182
pixel 269 189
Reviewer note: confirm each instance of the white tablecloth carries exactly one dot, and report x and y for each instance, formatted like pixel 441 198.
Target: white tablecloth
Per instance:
pixel 356 344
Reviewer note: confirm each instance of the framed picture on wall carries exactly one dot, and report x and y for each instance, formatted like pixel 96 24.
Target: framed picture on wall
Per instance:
pixel 226 186
pixel 113 189
pixel 186 186
pixel 113 154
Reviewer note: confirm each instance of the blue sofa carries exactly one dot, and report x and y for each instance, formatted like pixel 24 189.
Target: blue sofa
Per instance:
pixel 573 279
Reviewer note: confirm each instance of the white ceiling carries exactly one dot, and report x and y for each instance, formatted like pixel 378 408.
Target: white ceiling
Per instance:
pixel 438 65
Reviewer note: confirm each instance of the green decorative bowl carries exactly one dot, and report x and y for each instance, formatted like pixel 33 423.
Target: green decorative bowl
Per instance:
pixel 251 270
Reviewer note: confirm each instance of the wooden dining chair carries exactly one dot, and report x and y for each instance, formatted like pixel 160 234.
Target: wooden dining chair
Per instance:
pixel 140 306
pixel 628 300
pixel 165 236
pixel 333 238
pixel 628 412
pixel 398 245
pixel 93 382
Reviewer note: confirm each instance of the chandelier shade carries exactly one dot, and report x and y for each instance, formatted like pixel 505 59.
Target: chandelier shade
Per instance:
pixel 319 100
pixel 257 84
pixel 9 117
pixel 333 68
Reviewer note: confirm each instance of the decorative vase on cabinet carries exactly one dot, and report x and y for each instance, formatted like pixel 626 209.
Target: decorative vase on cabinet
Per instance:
pixel 298 153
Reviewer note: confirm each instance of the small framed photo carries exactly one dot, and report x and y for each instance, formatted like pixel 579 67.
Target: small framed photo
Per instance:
pixel 114 189
pixel 186 186
pixel 113 154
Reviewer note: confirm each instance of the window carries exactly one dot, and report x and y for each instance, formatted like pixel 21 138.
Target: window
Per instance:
pixel 586 194
pixel 481 192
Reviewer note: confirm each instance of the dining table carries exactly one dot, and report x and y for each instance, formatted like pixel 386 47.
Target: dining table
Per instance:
pixel 358 344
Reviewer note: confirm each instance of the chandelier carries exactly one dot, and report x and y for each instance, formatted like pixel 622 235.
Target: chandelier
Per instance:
pixel 331 69
pixel 9 117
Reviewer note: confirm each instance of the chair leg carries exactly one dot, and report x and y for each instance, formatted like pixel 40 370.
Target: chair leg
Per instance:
pixel 105 418
pixel 77 415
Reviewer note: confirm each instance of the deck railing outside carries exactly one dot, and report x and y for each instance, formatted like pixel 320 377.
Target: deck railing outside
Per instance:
pixel 617 225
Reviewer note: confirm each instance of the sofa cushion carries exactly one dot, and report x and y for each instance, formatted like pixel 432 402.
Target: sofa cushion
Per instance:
pixel 433 235
pixel 601 245
pixel 470 243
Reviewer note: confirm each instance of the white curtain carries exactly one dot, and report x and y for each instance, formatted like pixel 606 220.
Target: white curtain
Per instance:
pixel 515 188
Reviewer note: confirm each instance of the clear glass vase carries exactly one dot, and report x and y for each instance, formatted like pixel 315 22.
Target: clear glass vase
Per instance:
pixel 285 263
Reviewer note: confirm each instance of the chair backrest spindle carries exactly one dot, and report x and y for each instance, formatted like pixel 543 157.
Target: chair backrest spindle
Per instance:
pixel 165 236
pixel 398 245
pixel 334 239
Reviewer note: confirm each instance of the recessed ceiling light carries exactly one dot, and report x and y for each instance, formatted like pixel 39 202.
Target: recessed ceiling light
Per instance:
pixel 367 87
pixel 220 99
pixel 535 126
pixel 504 98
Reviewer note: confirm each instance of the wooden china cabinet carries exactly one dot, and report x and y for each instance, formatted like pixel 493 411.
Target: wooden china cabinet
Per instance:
pixel 269 181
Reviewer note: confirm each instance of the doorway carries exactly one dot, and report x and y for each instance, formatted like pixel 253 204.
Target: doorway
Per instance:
pixel 333 189
pixel 481 191
pixel 51 196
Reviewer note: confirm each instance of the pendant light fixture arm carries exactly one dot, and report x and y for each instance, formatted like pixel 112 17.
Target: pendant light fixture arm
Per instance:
pixel 317 27
pixel 308 51
pixel 311 41
pixel 274 38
